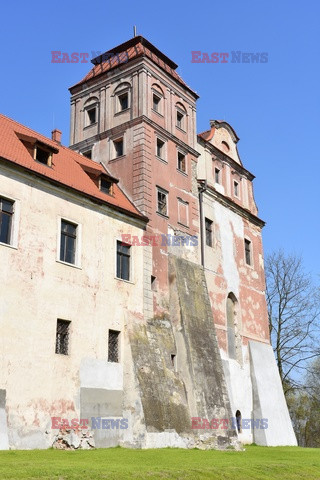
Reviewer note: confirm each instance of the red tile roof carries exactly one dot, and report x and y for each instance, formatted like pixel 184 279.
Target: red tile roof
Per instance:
pixel 134 48
pixel 68 167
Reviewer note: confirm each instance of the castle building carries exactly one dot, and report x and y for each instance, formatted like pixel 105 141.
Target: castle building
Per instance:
pixel 134 278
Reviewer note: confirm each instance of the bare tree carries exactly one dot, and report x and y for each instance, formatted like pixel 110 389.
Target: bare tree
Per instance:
pixel 293 309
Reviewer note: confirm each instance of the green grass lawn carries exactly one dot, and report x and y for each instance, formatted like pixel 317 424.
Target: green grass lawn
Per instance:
pixel 284 463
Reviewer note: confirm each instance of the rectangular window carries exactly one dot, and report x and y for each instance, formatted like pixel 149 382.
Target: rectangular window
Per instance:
pixel 6 214
pixel 91 115
pixel 113 346
pixel 181 162
pixel 156 102
pixel 247 250
pixel 62 337
pixel 236 188
pixel 43 156
pixel 123 101
pixel 68 242
pixel 106 185
pixel 160 148
pixel 208 227
pixel 162 201
pixel 123 260
pixel 217 175
pixel 180 119
pixel 183 213
pixel 118 146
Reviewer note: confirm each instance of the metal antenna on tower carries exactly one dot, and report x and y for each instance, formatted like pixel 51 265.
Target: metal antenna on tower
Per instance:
pixel 134 31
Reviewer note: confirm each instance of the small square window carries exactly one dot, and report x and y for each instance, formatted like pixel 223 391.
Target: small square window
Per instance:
pixel 113 346
pixel 208 227
pixel 88 154
pixel 106 185
pixel 118 146
pixel 68 242
pixel 217 175
pixel 6 215
pixel 181 162
pixel 248 251
pixel 62 337
pixel 43 156
pixel 160 148
pixel 162 202
pixel 123 260
pixel 123 101
pixel 156 102
pixel 180 119
pixel 236 189
pixel 91 115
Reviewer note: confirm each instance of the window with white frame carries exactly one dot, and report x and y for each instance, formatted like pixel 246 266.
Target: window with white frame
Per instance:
pixel 182 164
pixel 122 97
pixel 6 220
pixel 68 242
pixel 162 201
pixel 157 99
pixel 91 109
pixel 180 116
pixel 123 260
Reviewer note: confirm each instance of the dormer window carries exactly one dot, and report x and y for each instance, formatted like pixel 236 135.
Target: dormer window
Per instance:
pixel 43 155
pixel 106 185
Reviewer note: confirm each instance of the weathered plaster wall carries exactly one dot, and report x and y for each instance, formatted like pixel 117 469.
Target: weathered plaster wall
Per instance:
pixel 40 289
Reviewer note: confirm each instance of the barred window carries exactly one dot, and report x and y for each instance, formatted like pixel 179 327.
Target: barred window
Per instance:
pixel 123 260
pixel 62 337
pixel 6 213
pixel 68 242
pixel 113 346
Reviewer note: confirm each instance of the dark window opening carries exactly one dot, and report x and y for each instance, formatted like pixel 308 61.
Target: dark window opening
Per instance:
pixel 162 202
pixel 124 101
pixel 153 282
pixel 173 360
pixel 217 175
pixel 113 346
pixel 179 119
pixel 106 185
pixel 155 102
pixel 88 154
pixel 43 156
pixel 160 148
pixel 208 227
pixel 123 260
pixel 6 213
pixel 62 337
pixel 118 145
pixel 238 421
pixel 247 249
pixel 68 242
pixel 92 115
pixel 236 188
pixel 181 162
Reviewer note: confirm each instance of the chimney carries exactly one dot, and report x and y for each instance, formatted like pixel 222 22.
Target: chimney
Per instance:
pixel 56 136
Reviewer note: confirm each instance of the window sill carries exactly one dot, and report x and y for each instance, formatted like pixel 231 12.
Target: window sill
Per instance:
pixel 183 225
pixel 14 247
pixel 182 172
pixel 91 125
pixel 181 129
pixel 162 215
pixel 122 111
pixel 69 264
pixel 162 159
pixel 125 281
pixel 117 158
pixel 158 113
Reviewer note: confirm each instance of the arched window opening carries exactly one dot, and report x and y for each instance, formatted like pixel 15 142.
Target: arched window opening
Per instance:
pixel 231 320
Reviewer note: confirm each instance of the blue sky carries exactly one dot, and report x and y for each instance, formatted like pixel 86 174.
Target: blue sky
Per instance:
pixel 274 107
